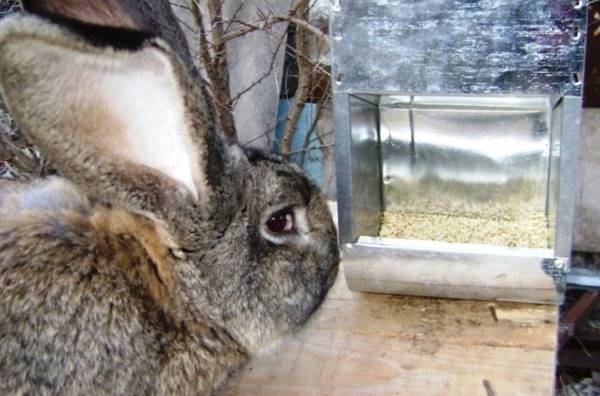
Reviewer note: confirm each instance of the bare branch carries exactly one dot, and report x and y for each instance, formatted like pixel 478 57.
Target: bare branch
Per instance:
pixel 221 81
pixel 301 94
pixel 273 20
pixel 213 56
pixel 203 50
pixel 234 16
pixel 296 7
pixel 220 54
pixel 321 147
pixel 313 126
pixel 265 75
pixel 179 5
pixel 215 64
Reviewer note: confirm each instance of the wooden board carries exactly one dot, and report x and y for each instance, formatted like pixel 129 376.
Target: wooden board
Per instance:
pixel 368 344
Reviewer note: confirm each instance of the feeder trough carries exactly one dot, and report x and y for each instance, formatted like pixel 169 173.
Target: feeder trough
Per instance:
pixel 457 145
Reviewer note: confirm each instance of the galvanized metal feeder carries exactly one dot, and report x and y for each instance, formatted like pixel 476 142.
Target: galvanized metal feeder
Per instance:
pixel 457 144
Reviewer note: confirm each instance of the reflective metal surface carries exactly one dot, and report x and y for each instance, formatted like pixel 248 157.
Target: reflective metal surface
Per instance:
pixel 457 106
pixel 358 171
pixel 554 170
pixel 343 162
pixel 366 175
pixel 484 157
pixel 527 47
pixel 449 270
pixel 585 270
pixel 568 177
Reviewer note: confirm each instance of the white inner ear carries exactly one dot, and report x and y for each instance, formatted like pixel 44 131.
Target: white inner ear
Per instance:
pixel 148 101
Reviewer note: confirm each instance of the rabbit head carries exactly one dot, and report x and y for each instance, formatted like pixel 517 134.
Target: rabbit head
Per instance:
pixel 250 240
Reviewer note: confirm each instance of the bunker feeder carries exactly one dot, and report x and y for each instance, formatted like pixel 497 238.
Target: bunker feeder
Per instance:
pixel 457 145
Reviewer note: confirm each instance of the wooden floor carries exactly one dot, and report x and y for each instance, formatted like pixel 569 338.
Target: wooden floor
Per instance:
pixel 367 344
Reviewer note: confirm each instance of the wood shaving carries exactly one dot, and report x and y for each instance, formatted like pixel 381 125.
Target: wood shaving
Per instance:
pixel 528 230
pixel 503 214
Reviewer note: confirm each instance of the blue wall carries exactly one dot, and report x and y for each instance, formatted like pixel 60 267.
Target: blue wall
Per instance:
pixel 313 159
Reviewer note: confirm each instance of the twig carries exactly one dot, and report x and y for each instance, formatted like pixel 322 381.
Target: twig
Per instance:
pixel 312 128
pixel 583 348
pixel 488 388
pixel 303 81
pixel 312 148
pixel 213 57
pixel 215 64
pixel 234 16
pixel 222 93
pixel 273 20
pixel 255 138
pixel 186 25
pixel 493 312
pixel 179 5
pixel 268 22
pixel 203 49
pixel 265 75
pixel 220 54
pixel 322 101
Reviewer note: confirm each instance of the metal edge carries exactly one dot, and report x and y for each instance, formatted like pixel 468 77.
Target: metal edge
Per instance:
pixel 343 162
pixel 582 280
pixel 450 274
pixel 467 248
pixel 569 175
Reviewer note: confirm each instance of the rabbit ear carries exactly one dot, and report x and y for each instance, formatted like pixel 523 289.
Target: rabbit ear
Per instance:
pixel 107 13
pixel 127 126
pixel 116 22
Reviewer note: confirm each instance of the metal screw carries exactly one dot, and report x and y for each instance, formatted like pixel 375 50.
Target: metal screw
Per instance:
pixel 560 263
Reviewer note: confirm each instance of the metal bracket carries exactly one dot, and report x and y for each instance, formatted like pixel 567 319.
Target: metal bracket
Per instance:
pixel 557 268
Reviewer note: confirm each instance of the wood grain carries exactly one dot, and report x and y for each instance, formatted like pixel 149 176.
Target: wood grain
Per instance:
pixel 367 344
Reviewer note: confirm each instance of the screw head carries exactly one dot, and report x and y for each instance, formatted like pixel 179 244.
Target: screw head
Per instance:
pixel 560 263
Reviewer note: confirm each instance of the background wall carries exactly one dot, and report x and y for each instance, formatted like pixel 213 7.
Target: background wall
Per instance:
pixel 587 218
pixel 256 56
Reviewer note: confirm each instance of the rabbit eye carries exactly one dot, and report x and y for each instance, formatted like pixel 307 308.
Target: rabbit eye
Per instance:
pixel 281 221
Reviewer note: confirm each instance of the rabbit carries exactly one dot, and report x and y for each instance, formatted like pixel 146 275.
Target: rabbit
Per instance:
pixel 163 257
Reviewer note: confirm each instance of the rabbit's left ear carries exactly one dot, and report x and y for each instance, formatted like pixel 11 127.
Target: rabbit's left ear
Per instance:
pixel 117 123
pixel 117 14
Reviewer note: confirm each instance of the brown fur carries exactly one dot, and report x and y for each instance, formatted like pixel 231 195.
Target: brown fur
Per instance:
pixel 121 277
pixel 154 272
pixel 117 257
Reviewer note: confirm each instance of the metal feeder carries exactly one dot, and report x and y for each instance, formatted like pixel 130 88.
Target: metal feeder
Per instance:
pixel 457 144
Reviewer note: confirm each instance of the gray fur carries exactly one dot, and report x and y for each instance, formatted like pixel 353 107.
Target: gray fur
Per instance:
pixel 116 280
